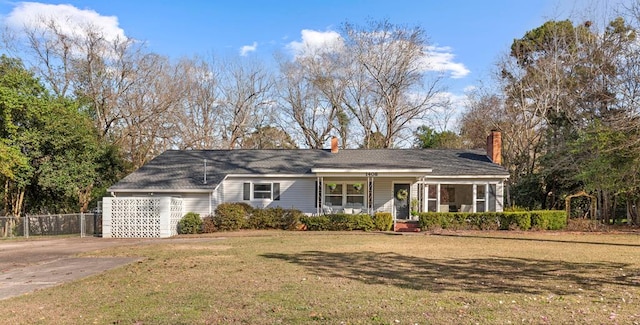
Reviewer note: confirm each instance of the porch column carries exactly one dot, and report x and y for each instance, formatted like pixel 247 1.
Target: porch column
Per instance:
pixel 319 196
pixel 474 195
pixel 424 205
pixel 420 188
pixel 438 198
pixel 370 196
pixel 486 197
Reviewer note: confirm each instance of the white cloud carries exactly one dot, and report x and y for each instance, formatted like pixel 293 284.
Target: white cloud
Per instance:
pixel 316 42
pixel 441 59
pixel 69 19
pixel 248 49
pixel 437 58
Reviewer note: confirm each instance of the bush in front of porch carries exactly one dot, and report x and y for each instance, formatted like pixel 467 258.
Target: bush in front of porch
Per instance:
pixel 381 221
pixel 339 221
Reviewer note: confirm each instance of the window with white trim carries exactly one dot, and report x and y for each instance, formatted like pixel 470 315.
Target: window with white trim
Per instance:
pixel 261 191
pixel 355 194
pixel 481 197
pixel 333 194
pixel 344 194
pixel 432 197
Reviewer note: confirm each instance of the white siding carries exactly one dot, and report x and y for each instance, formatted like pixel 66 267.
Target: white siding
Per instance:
pixel 500 197
pixel 232 190
pixel 198 203
pixel 297 193
pixel 383 194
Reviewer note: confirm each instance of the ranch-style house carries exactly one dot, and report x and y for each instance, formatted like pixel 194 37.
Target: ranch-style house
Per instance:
pixel 315 181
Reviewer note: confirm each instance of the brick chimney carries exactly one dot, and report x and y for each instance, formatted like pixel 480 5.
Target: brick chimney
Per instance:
pixel 334 144
pixel 494 146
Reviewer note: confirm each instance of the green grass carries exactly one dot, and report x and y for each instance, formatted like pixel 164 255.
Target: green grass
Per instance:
pixel 271 277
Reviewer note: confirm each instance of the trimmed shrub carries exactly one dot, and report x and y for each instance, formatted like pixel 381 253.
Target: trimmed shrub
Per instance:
pixel 514 220
pixel 548 219
pixel 429 221
pixel 510 220
pixel 231 216
pixel 339 222
pixel 487 221
pixel 275 218
pixel 539 221
pixel 248 209
pixel 382 221
pixel 291 219
pixel 362 221
pixel 448 220
pixel 207 225
pixel 265 218
pixel 316 222
pixel 557 219
pixel 190 223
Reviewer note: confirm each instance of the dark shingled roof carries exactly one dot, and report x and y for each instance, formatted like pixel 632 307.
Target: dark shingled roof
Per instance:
pixel 184 169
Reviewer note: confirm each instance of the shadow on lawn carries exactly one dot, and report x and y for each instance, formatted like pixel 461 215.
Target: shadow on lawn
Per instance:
pixel 492 275
pixel 539 240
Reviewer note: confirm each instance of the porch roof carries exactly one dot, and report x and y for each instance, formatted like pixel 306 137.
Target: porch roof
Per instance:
pixel 183 170
pixel 373 172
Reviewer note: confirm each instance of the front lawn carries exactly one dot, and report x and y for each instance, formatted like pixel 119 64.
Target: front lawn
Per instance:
pixel 267 277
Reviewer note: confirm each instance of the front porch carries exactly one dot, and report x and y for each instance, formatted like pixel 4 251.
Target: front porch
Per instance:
pixel 404 194
pixel 460 196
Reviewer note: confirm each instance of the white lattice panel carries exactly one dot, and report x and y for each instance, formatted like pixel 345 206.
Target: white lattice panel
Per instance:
pixel 176 215
pixel 135 217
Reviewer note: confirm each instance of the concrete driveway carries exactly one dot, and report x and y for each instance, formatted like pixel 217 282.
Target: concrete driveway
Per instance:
pixel 29 265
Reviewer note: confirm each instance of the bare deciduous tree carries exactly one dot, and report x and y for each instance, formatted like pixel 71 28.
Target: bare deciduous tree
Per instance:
pixel 246 100
pixel 312 92
pixel 391 87
pixel 200 120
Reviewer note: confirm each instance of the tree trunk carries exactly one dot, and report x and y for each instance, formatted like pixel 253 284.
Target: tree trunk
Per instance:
pixel 5 198
pixel 17 206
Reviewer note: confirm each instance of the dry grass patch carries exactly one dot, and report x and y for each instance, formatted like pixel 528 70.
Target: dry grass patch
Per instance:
pixel 356 278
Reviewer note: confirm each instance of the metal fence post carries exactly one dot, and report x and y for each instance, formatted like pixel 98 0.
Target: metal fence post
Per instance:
pixel 82 225
pixel 25 225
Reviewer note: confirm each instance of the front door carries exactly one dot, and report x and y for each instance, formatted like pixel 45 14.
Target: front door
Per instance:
pixel 401 197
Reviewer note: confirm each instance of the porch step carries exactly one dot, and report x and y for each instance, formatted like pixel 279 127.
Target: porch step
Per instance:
pixel 407 227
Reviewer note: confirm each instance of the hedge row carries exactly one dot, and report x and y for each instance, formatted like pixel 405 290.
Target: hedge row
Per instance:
pixel 382 221
pixel 235 216
pixel 238 215
pixel 521 220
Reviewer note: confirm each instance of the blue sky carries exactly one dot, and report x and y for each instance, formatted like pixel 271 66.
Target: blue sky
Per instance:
pixel 468 36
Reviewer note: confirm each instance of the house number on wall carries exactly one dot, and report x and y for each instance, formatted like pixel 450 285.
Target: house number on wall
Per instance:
pixel 371 174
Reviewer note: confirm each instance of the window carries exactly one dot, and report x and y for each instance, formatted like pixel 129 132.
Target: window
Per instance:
pixel 355 194
pixel 447 194
pixel 261 191
pixel 333 194
pixel 481 192
pixel 344 194
pixel 432 197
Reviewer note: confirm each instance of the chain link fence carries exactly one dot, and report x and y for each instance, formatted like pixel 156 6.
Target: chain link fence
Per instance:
pixel 82 224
